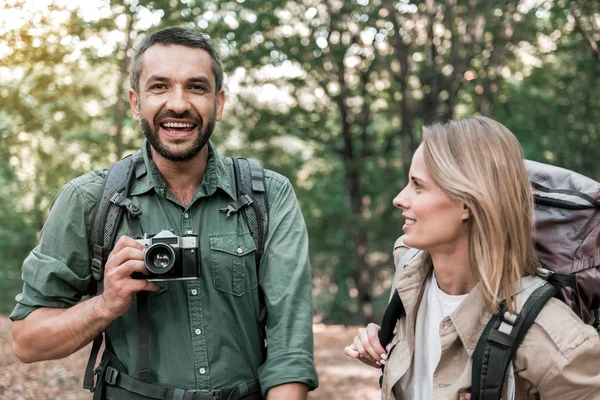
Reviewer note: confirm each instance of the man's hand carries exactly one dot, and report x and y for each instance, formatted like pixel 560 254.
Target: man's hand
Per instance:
pixel 50 333
pixel 367 348
pixel 126 258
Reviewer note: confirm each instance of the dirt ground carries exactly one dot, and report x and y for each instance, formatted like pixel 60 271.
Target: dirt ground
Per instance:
pixel 339 376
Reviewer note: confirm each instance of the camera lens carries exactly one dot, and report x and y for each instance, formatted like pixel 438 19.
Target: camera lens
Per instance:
pixel 160 258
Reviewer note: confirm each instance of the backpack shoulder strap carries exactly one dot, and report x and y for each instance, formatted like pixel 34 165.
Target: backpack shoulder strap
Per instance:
pixel 104 230
pixel 110 210
pixel 251 191
pixel 499 342
pixel 252 200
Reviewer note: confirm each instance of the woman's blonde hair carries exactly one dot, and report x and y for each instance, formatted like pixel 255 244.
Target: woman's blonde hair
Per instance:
pixel 479 162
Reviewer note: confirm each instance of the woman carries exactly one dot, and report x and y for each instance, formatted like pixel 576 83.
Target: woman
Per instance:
pixel 468 205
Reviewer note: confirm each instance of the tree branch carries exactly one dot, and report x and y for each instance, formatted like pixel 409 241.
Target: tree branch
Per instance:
pixel 593 46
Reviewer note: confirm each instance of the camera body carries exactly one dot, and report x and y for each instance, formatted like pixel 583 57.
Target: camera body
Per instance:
pixel 170 257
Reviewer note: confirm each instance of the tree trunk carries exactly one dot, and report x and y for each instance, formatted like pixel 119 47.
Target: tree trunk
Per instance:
pixel 121 105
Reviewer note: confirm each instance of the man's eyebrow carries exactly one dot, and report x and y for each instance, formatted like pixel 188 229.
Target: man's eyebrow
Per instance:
pixel 155 77
pixel 200 79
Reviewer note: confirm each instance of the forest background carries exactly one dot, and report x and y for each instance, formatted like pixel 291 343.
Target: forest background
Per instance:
pixel 330 93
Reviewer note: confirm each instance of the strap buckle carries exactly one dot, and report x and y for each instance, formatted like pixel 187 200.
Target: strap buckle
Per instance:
pixel 544 273
pixel 95 379
pixel 202 394
pixel 96 268
pixel 122 201
pixel 241 202
pixel 111 376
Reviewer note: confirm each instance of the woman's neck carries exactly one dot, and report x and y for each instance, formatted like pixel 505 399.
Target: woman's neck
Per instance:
pixel 453 270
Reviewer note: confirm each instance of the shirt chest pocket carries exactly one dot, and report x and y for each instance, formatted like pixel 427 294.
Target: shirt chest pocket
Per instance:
pixel 233 264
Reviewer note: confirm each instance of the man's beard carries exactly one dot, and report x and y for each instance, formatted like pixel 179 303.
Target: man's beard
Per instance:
pixel 187 154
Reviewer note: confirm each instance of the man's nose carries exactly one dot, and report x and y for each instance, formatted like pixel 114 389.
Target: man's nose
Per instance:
pixel 178 101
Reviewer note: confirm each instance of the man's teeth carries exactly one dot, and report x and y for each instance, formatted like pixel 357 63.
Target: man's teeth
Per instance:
pixel 178 125
pixel 409 221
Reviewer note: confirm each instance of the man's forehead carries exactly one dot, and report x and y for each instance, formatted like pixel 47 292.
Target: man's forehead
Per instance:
pixel 173 58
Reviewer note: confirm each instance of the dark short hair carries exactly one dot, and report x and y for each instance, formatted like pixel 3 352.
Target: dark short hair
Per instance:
pixel 178 36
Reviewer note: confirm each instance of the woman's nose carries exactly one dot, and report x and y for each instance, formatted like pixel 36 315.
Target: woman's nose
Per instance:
pixel 401 200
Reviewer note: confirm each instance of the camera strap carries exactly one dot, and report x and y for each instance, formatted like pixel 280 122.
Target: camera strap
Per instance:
pixel 143 336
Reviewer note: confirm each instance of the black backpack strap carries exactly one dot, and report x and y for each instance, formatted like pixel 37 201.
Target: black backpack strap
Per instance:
pixel 110 210
pixel 252 200
pixel 499 342
pixel 393 312
pixel 104 230
pixel 395 309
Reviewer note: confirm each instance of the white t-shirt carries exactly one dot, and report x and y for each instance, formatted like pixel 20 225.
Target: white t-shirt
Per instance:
pixel 435 305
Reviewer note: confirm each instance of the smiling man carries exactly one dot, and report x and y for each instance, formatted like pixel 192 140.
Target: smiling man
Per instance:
pixel 192 339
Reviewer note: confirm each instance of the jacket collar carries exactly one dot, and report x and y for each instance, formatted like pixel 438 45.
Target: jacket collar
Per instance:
pixel 470 317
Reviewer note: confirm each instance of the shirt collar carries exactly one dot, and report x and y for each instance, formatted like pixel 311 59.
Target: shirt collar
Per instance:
pixel 217 175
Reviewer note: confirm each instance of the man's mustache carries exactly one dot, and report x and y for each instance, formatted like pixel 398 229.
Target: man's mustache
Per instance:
pixel 185 115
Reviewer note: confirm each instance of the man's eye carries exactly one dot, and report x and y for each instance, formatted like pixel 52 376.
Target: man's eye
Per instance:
pixel 198 88
pixel 158 86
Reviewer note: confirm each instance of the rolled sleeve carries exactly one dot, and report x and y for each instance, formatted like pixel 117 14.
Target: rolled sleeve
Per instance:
pixel 559 356
pixel 57 272
pixel 286 281
pixel 576 375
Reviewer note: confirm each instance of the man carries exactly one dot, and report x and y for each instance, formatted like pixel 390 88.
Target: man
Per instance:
pixel 203 333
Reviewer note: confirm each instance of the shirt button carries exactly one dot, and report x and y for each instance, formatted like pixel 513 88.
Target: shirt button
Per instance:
pixel 202 371
pixel 239 250
pixel 186 215
pixel 198 331
pixel 194 292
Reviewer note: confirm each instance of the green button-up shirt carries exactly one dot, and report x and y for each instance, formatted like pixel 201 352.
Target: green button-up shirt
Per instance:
pixel 204 333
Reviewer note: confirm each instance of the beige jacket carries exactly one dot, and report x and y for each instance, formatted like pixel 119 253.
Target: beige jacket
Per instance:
pixel 559 357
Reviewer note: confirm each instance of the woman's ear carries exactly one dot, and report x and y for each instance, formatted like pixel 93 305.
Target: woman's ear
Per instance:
pixel 466 213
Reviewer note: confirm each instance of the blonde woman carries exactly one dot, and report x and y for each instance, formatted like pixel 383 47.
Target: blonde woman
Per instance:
pixel 468 205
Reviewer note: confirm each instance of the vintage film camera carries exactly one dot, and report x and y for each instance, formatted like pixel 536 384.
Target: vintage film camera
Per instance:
pixel 170 257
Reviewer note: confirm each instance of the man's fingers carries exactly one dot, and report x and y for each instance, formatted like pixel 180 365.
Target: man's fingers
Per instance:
pixel 126 241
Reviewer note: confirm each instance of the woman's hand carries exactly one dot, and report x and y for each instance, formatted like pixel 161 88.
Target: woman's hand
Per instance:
pixel 367 348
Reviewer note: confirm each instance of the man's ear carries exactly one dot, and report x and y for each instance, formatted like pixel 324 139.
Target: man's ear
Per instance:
pixel 134 104
pixel 220 104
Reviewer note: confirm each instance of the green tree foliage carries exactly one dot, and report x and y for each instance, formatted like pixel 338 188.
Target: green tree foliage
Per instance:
pixel 330 93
